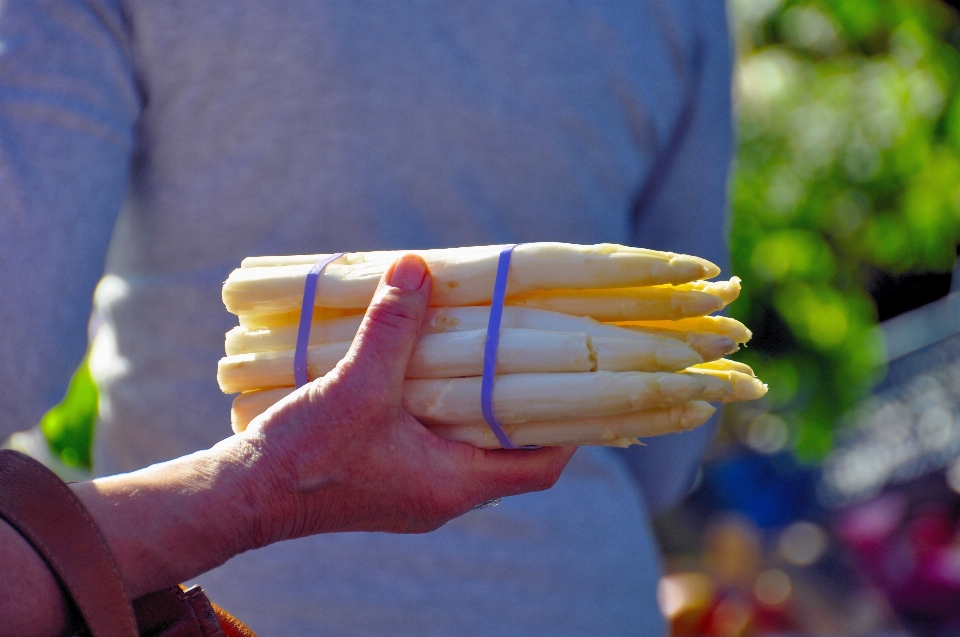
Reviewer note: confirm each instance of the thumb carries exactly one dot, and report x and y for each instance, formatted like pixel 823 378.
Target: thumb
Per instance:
pixel 388 334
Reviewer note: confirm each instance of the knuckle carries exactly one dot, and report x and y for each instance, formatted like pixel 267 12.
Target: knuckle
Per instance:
pixel 395 314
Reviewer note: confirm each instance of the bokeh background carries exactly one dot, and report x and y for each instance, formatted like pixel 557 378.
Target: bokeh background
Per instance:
pixel 831 507
pixel 845 197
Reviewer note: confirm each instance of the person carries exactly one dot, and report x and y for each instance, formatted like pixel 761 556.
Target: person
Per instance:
pixel 341 454
pixel 187 136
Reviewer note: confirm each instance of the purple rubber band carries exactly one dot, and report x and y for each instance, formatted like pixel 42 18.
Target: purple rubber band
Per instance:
pixel 490 350
pixel 306 319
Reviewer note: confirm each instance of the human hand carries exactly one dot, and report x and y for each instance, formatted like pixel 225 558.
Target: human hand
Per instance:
pixel 342 454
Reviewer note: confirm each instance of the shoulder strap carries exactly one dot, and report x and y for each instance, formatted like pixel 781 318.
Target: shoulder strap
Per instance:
pixel 46 512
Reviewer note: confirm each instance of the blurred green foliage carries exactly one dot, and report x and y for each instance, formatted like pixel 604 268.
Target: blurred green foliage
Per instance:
pixel 68 426
pixel 848 166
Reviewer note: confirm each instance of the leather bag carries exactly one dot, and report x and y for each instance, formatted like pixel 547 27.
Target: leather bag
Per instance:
pixel 39 505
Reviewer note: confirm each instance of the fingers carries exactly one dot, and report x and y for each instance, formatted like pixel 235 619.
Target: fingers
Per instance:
pixel 502 472
pixel 390 328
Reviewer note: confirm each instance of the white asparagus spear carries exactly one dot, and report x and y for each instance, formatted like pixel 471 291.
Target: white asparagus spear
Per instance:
pixel 715 388
pixel 454 319
pixel 718 337
pixel 449 355
pixel 242 340
pixel 354 258
pixel 725 364
pixel 524 397
pixel 249 405
pixel 613 431
pixel 388 256
pixel 263 370
pixel 669 354
pixel 729 291
pixel 635 355
pixel 745 387
pixel 623 304
pixel 652 303
pixel 670 302
pixel 708 345
pixel 458 354
pixel 292 317
pixel 722 325
pixel 465 277
pixel 664 349
pixel 527 397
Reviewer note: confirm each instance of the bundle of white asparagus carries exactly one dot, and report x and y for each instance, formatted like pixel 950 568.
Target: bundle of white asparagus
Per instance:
pixel 599 345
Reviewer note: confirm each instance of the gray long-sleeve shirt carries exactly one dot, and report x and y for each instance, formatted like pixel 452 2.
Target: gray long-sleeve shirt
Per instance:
pixel 184 136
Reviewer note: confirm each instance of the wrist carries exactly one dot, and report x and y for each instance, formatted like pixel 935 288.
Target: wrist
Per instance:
pixel 292 469
pixel 261 498
pixel 172 521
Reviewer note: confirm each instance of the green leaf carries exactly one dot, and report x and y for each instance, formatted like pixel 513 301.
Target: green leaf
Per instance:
pixel 68 426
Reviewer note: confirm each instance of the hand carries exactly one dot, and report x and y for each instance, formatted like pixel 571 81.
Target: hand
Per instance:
pixel 344 454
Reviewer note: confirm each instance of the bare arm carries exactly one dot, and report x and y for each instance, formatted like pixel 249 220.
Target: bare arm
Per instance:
pixel 340 454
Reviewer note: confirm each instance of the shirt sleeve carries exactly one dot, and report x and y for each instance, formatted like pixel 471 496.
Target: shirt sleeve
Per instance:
pixel 68 104
pixel 683 208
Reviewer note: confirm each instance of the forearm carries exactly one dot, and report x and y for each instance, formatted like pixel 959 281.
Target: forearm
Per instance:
pixel 174 520
pixel 164 524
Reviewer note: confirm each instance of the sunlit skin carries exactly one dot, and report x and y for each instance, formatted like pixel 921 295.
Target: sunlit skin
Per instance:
pixel 340 454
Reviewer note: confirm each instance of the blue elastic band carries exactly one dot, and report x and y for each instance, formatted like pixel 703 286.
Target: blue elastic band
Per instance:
pixel 306 319
pixel 490 350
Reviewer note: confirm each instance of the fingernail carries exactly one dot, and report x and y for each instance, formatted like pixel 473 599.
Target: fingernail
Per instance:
pixel 408 273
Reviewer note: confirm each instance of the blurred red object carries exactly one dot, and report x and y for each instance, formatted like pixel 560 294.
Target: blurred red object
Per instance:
pixel 911 552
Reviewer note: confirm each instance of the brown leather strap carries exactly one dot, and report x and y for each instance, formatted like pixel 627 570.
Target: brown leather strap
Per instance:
pixel 47 513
